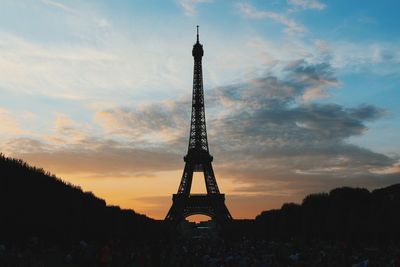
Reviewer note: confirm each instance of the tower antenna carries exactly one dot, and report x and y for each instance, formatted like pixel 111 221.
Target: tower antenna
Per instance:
pixel 197 33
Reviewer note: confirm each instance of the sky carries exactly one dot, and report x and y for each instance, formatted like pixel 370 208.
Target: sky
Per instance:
pixel 301 96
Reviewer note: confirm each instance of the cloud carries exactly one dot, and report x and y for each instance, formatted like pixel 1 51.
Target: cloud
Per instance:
pixel 268 139
pixel 380 58
pixel 58 5
pixel 23 145
pixel 308 4
pixel 81 149
pixel 105 158
pixel 9 125
pixel 189 6
pixel 47 70
pixel 67 131
pixel 265 131
pixel 291 26
pixel 91 60
pixel 162 121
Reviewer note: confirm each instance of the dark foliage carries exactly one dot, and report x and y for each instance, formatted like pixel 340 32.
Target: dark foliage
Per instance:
pixel 351 214
pixel 34 202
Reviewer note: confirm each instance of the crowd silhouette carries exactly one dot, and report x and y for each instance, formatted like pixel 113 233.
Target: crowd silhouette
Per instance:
pixel 187 252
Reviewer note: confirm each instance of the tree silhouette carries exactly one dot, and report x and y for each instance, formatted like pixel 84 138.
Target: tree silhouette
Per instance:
pixel 351 214
pixel 34 202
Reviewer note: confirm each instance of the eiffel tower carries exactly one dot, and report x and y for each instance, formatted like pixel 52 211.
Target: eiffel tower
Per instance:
pixel 198 159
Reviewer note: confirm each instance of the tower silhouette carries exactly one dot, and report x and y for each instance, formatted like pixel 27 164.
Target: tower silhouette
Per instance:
pixel 198 159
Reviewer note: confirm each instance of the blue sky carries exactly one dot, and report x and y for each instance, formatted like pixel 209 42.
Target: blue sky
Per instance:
pixel 302 94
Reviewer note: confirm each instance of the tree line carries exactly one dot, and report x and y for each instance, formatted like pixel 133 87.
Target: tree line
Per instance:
pixel 34 202
pixel 343 214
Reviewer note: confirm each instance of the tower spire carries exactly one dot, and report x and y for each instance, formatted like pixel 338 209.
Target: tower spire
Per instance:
pixel 197 33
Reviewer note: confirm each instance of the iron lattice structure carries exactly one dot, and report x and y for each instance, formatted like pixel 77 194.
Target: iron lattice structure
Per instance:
pixel 198 159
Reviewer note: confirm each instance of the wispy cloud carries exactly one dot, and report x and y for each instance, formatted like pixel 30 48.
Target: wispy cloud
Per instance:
pixel 58 5
pixel 55 69
pixel 94 157
pixel 189 6
pixel 308 4
pixel 161 122
pixel 372 57
pixel 291 26
pixel 9 125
